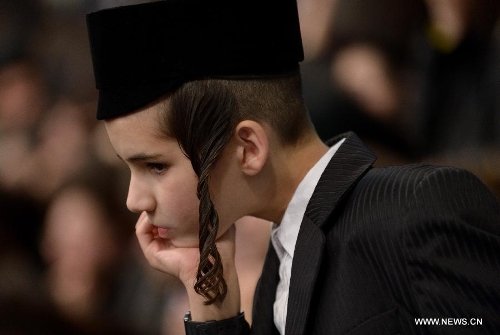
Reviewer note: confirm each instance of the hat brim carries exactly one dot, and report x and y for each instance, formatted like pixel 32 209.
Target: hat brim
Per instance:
pixel 114 103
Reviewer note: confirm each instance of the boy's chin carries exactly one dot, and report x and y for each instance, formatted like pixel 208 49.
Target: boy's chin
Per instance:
pixel 190 242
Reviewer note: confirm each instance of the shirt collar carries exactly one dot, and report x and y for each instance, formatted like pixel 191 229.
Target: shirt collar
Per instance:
pixel 286 233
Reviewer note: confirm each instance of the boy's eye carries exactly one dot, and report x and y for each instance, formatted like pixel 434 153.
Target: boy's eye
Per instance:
pixel 157 168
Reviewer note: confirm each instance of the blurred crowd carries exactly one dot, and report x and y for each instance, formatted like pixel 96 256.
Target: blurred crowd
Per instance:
pixel 418 80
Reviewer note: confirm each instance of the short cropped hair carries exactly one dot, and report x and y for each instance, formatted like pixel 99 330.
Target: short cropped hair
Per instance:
pixel 276 101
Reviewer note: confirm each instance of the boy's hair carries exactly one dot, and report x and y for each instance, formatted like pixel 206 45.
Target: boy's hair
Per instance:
pixel 202 116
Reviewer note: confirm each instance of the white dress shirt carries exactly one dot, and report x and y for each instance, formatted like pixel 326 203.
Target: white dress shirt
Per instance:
pixel 284 236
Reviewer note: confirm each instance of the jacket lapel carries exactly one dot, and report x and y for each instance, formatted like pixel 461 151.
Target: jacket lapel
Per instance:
pixel 305 268
pixel 348 164
pixel 265 294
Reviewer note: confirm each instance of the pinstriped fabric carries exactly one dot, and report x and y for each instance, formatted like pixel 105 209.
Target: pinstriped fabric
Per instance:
pixel 351 161
pixel 263 321
pixel 432 221
pixel 399 243
pixel 309 244
pixel 453 258
pixel 442 218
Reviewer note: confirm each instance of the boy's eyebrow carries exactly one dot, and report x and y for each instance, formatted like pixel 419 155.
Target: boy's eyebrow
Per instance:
pixel 140 157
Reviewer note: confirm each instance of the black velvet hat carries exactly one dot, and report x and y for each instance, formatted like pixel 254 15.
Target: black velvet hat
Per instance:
pixel 141 52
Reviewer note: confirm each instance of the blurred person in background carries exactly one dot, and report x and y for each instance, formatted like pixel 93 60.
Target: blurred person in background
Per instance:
pixel 418 80
pixel 364 79
pixel 47 136
pixel 23 99
pixel 462 78
pixel 43 141
pixel 460 85
pixel 92 273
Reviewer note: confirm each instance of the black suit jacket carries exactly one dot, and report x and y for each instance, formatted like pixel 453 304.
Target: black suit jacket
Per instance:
pixel 380 247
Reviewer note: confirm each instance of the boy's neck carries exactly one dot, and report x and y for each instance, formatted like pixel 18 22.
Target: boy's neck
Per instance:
pixel 289 167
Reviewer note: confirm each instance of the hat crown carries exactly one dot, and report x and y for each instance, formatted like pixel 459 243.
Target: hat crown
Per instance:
pixel 155 47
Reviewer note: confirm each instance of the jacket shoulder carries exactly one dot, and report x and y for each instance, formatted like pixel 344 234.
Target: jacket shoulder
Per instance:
pixel 410 193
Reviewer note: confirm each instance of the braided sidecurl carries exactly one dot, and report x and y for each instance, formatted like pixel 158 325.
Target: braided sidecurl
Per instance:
pixel 201 120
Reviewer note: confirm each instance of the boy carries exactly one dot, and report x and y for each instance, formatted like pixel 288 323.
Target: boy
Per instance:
pixel 354 248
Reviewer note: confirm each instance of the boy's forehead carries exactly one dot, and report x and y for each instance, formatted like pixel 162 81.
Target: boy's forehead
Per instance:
pixel 137 135
pixel 140 52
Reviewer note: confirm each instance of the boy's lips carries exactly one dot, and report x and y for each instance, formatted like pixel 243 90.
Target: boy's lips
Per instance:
pixel 163 232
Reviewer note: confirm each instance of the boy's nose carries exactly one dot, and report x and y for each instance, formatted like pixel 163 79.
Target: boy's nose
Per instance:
pixel 139 198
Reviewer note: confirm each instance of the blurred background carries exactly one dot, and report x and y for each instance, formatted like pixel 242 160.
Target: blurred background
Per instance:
pixel 418 80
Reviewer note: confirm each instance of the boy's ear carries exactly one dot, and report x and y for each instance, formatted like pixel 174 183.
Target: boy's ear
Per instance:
pixel 252 146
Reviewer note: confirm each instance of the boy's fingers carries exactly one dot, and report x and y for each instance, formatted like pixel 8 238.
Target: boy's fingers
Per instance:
pixel 143 218
pixel 144 231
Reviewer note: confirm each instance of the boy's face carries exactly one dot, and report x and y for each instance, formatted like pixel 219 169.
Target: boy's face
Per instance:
pixel 162 182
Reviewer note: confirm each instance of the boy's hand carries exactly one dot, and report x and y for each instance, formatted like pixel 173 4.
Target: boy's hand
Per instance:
pixel 163 256
pixel 183 264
